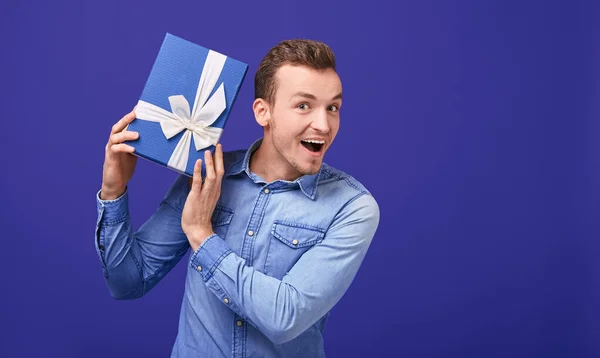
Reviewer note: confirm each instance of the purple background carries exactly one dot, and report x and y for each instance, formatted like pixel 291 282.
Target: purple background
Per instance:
pixel 473 123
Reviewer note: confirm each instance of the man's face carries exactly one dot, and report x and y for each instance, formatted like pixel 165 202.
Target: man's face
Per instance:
pixel 304 119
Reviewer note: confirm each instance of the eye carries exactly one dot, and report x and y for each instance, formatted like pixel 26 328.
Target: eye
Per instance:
pixel 333 108
pixel 303 106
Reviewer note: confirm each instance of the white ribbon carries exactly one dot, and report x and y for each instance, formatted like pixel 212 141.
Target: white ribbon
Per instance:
pixel 196 123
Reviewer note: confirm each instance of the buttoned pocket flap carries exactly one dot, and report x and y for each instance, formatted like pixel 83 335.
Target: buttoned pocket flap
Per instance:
pixel 221 216
pixel 297 235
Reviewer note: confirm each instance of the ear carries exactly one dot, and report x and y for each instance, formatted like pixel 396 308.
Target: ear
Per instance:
pixel 262 112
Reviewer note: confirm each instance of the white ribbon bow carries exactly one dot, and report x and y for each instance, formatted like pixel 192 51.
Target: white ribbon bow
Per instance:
pixel 196 123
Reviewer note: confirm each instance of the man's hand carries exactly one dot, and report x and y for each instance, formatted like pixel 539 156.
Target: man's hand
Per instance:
pixel 119 163
pixel 202 198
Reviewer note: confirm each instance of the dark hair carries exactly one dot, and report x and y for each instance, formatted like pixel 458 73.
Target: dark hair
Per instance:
pixel 310 53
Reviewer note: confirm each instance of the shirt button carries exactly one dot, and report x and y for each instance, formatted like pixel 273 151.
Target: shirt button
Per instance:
pixel 250 233
pixel 199 268
pixel 239 323
pixel 266 191
pixel 226 300
pixel 295 242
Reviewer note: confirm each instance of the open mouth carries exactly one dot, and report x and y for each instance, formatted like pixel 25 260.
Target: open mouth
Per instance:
pixel 314 146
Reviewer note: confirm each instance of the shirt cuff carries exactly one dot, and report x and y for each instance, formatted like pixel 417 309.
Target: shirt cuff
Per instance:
pixel 112 211
pixel 209 256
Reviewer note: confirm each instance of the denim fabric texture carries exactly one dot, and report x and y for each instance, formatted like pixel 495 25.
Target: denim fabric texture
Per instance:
pixel 282 255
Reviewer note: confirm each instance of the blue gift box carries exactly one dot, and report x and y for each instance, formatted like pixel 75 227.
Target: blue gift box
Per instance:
pixel 185 104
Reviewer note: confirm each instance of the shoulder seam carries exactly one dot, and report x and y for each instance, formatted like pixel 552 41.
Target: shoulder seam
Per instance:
pixel 356 197
pixel 360 194
pixel 347 180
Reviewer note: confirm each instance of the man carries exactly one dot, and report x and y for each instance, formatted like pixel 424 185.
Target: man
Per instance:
pixel 276 235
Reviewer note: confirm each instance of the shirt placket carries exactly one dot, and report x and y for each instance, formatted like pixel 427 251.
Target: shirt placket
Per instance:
pixel 247 253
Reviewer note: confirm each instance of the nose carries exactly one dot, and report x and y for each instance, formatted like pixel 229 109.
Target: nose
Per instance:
pixel 320 122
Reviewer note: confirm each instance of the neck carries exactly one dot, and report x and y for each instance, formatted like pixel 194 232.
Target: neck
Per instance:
pixel 268 164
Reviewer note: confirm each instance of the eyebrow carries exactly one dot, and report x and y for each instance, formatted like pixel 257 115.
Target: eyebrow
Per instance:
pixel 310 96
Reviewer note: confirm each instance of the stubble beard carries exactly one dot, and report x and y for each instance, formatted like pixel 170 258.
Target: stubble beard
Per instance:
pixel 278 143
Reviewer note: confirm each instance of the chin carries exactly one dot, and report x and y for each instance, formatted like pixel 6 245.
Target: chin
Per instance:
pixel 311 169
pixel 310 172
pixel 304 165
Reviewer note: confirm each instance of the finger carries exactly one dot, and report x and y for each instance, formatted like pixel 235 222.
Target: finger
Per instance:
pixel 219 167
pixel 210 169
pixel 122 148
pixel 123 136
pixel 123 122
pixel 197 178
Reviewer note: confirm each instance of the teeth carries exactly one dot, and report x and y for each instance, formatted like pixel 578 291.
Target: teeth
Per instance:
pixel 314 141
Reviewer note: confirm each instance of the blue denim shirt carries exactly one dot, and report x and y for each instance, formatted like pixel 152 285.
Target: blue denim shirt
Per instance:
pixel 282 256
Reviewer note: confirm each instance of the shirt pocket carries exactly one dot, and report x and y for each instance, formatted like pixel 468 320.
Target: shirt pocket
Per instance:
pixel 288 242
pixel 221 219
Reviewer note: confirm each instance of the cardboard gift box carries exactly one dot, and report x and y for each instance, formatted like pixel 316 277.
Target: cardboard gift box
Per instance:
pixel 185 104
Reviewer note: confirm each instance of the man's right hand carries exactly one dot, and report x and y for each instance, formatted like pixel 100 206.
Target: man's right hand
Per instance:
pixel 119 163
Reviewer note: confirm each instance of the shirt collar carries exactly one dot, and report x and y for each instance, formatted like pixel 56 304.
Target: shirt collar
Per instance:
pixel 308 183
